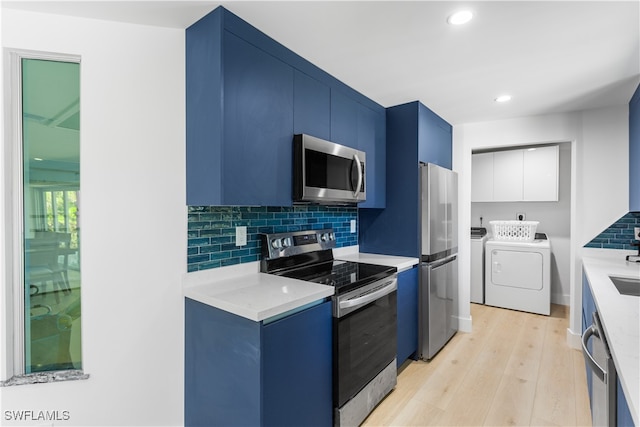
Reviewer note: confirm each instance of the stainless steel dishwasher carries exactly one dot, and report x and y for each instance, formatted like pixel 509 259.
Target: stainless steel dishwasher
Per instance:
pixel 602 372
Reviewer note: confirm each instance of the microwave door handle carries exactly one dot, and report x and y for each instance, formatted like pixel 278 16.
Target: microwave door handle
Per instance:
pixel 359 166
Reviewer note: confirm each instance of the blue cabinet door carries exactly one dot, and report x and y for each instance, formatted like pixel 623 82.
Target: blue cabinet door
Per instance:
pixel 623 414
pixel 297 360
pixel 371 140
pixel 588 308
pixel 344 119
pixel 243 373
pixel 634 152
pixel 203 85
pixel 311 106
pixel 355 125
pixel 258 126
pixel 222 368
pixel 407 314
pixel 434 138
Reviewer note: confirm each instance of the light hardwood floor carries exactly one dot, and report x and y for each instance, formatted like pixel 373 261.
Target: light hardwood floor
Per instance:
pixel 514 369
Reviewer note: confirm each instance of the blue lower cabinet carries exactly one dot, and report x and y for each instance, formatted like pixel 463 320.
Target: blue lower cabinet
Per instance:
pixel 407 315
pixel 244 373
pixel 623 415
pixel 588 308
pixel 634 152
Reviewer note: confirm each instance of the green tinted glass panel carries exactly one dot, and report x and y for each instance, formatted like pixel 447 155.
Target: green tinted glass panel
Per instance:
pixel 51 190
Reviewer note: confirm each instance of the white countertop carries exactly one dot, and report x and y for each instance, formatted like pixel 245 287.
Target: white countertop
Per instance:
pixel 251 294
pixel 620 315
pixel 399 262
pixel 244 291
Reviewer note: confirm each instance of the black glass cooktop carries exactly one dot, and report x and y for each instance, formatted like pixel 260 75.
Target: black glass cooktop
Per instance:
pixel 343 275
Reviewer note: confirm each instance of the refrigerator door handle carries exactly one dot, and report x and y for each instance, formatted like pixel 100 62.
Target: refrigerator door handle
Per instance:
pixel 445 261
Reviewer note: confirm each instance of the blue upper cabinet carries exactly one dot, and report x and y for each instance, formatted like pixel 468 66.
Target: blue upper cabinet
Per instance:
pixel 204 76
pixel 358 126
pixel 311 106
pixel 344 119
pixel 414 134
pixel 372 140
pixel 434 138
pixel 246 96
pixel 634 152
pixel 258 126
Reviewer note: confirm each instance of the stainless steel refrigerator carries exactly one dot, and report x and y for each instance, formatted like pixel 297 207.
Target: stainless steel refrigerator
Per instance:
pixel 438 291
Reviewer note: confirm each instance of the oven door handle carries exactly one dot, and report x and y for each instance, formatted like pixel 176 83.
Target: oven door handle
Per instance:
pixel 366 299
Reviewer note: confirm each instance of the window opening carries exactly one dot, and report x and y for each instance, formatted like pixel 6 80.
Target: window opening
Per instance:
pixel 50 139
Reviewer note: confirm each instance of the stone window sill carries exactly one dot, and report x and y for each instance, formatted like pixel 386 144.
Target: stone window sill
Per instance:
pixel 45 377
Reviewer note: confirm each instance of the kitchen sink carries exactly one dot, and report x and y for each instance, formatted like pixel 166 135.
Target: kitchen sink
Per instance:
pixel 626 285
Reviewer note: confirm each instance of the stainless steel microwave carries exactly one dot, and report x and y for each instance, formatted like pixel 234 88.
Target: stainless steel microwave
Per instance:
pixel 326 172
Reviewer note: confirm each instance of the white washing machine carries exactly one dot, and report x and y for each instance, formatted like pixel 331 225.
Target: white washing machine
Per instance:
pixel 478 240
pixel 518 274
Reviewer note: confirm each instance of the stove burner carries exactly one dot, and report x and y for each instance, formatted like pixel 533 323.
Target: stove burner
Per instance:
pixel 307 255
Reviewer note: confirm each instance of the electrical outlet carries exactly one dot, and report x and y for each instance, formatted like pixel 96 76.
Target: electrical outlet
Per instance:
pixel 521 216
pixel 241 236
pixel 353 226
pixel 636 233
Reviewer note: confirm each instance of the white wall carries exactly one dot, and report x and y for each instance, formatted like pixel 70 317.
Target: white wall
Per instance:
pixel 133 220
pixel 599 177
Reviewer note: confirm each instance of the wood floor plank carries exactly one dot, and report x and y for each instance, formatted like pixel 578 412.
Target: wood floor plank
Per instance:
pixel 513 402
pixel 583 410
pixel 415 413
pixel 475 394
pixel 555 393
pixel 514 368
pixel 524 362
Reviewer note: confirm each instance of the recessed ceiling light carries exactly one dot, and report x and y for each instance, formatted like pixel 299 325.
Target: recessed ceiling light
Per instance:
pixel 503 98
pixel 460 17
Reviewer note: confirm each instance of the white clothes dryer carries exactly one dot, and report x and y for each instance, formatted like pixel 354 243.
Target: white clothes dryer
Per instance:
pixel 518 274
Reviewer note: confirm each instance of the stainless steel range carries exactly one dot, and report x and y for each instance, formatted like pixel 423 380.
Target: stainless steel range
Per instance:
pixel 364 316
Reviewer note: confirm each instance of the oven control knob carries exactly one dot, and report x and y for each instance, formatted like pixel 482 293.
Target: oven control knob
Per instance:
pixel 327 237
pixel 286 242
pixel 276 244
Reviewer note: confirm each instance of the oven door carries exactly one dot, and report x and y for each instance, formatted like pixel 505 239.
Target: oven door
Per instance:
pixel 365 343
pixel 327 172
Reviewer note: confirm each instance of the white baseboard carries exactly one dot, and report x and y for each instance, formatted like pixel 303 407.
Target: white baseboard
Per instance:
pixel 464 324
pixel 560 299
pixel 574 340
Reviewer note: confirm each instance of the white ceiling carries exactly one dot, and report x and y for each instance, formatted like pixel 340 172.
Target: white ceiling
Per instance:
pixel 551 56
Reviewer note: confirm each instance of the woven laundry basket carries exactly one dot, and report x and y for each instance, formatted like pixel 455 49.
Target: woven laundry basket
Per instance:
pixel 523 231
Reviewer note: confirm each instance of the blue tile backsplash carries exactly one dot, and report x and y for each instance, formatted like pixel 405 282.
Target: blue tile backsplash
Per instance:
pixel 211 230
pixel 619 235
